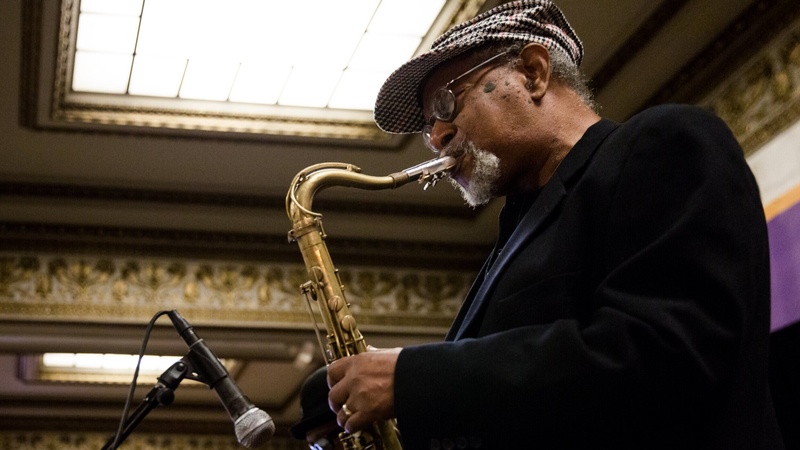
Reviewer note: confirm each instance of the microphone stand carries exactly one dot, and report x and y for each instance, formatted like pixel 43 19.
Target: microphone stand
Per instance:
pixel 162 394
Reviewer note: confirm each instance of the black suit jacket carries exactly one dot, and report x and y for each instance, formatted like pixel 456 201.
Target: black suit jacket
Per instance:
pixel 628 310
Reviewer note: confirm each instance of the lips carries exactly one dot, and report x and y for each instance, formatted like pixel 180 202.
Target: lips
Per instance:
pixel 456 173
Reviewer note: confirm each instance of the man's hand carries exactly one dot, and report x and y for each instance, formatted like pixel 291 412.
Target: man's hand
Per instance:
pixel 362 388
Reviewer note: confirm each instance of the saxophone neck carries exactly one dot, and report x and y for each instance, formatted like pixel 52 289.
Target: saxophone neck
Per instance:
pixel 320 176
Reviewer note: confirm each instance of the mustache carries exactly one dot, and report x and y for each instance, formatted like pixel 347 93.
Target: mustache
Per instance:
pixel 460 149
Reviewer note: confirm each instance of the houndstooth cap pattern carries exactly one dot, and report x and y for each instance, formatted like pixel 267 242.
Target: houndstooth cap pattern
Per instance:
pixel 398 107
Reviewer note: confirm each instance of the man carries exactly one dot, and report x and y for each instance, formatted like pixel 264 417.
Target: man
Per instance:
pixel 626 304
pixel 318 425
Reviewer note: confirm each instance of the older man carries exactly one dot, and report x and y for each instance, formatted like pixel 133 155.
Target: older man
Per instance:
pixel 626 303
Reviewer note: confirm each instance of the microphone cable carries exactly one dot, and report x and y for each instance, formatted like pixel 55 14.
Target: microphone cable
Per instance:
pixel 132 389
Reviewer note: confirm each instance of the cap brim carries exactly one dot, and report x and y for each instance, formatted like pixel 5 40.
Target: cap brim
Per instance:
pixel 398 106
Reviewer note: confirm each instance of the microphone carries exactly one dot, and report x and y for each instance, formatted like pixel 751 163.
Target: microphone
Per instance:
pixel 253 426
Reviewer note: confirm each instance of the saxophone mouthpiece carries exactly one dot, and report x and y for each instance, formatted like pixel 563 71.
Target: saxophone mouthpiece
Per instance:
pixel 430 172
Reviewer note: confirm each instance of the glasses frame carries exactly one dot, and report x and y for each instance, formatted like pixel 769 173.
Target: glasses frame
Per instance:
pixel 445 106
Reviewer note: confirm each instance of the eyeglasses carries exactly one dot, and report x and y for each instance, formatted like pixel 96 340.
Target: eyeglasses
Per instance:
pixel 444 101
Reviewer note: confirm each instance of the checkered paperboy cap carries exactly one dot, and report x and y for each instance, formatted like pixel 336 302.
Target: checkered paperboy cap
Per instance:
pixel 398 107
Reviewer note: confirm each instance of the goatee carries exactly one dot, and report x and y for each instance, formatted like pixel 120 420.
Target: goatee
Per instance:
pixel 482 182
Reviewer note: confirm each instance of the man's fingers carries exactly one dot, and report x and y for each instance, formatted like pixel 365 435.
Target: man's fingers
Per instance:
pixel 351 423
pixel 336 371
pixel 364 384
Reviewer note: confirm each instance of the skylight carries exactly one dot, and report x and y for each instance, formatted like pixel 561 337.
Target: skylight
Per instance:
pixel 331 54
pixel 106 367
pixel 291 70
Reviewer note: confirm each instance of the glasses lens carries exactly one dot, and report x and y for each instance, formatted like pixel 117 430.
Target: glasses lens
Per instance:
pixel 444 105
pixel 426 137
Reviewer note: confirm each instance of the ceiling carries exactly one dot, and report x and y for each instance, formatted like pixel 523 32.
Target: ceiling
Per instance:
pixel 77 188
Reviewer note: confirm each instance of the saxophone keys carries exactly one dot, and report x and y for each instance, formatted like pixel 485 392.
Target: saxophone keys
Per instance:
pixel 318 274
pixel 335 303
pixel 349 323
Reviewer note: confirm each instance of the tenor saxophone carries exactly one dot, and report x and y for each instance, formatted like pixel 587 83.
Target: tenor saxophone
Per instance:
pixel 325 287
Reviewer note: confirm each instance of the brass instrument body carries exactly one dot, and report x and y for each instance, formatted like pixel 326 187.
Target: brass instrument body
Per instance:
pixel 324 285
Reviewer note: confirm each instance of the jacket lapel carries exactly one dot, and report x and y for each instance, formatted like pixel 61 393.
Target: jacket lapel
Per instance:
pixel 550 197
pixel 547 202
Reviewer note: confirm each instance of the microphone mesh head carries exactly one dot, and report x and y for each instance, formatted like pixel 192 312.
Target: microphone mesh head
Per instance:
pixel 254 428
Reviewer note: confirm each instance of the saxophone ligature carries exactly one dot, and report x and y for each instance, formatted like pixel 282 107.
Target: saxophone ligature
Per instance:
pixel 325 287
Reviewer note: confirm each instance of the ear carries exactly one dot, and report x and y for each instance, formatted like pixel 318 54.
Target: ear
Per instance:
pixel 535 62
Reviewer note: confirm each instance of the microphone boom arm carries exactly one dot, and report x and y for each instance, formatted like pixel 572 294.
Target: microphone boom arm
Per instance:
pixel 163 393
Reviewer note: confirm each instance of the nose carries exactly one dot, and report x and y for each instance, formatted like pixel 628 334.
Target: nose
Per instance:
pixel 441 134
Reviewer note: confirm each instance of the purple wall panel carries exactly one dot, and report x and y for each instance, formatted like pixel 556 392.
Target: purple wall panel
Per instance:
pixel 784 246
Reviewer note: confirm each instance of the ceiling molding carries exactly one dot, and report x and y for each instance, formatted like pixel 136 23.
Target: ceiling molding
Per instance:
pixel 762 97
pixel 27 190
pixel 732 48
pixel 177 437
pixel 67 239
pixel 108 290
pixel 754 53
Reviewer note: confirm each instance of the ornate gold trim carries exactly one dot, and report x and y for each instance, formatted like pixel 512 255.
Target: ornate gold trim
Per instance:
pixel 121 290
pixel 762 98
pixel 26 440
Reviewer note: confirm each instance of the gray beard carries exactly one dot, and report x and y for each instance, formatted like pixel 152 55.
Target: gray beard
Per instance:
pixel 483 180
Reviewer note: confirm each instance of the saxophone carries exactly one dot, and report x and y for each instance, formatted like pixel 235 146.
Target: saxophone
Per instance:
pixel 325 287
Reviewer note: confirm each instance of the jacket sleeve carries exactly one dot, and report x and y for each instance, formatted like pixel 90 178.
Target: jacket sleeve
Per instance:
pixel 683 285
